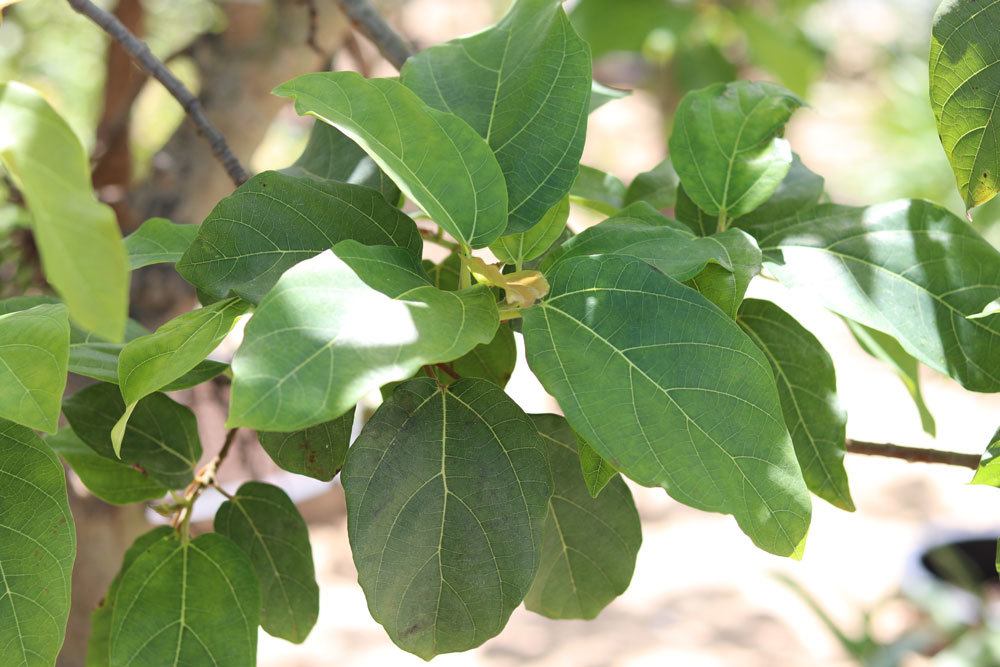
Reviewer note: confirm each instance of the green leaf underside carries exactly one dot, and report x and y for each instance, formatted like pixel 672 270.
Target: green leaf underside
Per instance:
pixel 263 521
pixel 909 269
pixel 598 191
pixel 111 481
pixel 99 642
pixel 274 221
pixel 596 471
pixel 158 241
pixel 318 451
pixel 887 349
pixel 52 171
pixel 161 436
pixel 100 362
pixel 519 248
pixel 807 388
pixel 37 548
pixel 524 86
pixel 34 357
pixel 196 602
pixel 447 491
pixel 330 155
pixel 589 545
pixel 657 187
pixel 988 472
pixel 435 158
pixel 965 94
pixel 641 365
pixel 725 145
pixel 342 324
pixel 601 95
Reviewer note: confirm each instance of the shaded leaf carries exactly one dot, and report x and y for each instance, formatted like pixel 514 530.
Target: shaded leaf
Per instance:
pixel 34 357
pixel 657 187
pixel 158 241
pixel 596 471
pixel 318 451
pixel 687 212
pixel 519 248
pixel 801 189
pixel 493 361
pixel 110 480
pixel 598 191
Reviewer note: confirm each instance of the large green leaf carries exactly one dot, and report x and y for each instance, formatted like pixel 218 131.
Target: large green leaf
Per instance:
pixel 37 548
pixel 77 236
pixel 34 358
pixel 515 249
pixel 110 480
pixel 161 436
pixel 642 367
pixel 263 521
pixel 910 269
pixel 274 221
pixel 807 387
pixel 447 491
pixel 965 94
pixel 318 451
pixel 589 545
pixel 726 148
pixel 435 158
pixel 191 602
pixel 342 324
pixel 523 85
pixel 158 241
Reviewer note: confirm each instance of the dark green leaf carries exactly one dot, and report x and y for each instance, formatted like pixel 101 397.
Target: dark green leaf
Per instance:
pixel 657 187
pixel 597 191
pixel 110 480
pixel 596 471
pixel 34 357
pixel 642 367
pixel 694 218
pixel 446 492
pixel 274 221
pixel 988 472
pixel 318 451
pixel 725 286
pixel 444 274
pixel 158 241
pixel 493 361
pixel 516 249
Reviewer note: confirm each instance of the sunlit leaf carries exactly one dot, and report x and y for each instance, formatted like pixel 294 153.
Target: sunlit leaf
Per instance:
pixel 519 248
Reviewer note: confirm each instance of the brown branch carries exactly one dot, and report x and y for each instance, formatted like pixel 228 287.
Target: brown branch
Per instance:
pixel 205 478
pixel 370 23
pixel 147 61
pixel 312 31
pixel 914 454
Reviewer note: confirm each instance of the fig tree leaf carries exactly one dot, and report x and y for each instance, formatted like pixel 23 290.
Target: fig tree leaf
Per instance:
pixel 642 367
pixel 807 388
pixel 158 241
pixel 161 436
pixel 37 548
pixel 435 158
pixel 447 491
pixel 598 191
pixel 274 221
pixel 909 269
pixel 524 85
pixel 318 451
pixel 34 358
pixel 263 521
pixel 110 480
pixel 589 544
pixel 342 324
pixel 988 472
pixel 596 471
pixel 516 249
pixel 965 94
pixel 726 148
pixel 197 601
pixel 77 237
pixel 657 187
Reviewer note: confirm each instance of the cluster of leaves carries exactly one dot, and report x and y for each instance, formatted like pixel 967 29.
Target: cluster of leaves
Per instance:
pixel 460 505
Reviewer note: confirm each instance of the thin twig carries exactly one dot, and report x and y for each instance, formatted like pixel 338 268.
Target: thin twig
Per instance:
pixel 206 477
pixel 147 61
pixel 914 454
pixel 370 23
pixel 312 31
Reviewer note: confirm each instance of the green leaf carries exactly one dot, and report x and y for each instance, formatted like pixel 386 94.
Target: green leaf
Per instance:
pixel 77 236
pixel 596 471
pixel 330 155
pixel 909 269
pixel 807 388
pixel 725 287
pixel 196 600
pixel 524 86
pixel 688 213
pixel 965 94
pixel 800 190
pixel 887 349
pixel 99 643
pixel 601 95
pixel 34 357
pixel 777 44
pixel 444 274
pixel 725 145
pixel 623 25
pixel 161 437
pixel 263 521
pixel 589 544
pixel 37 548
pixel 642 367
pixel 657 187
pixel 435 158
pixel 516 249
pixel 100 361
pixel 447 491
pixel 110 480
pixel 493 361
pixel 342 324
pixel 598 191
pixel 318 451
pixel 988 472
pixel 158 241
pixel 274 221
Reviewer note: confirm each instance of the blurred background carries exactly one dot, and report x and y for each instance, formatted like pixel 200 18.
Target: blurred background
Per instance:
pixel 871 589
